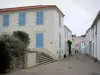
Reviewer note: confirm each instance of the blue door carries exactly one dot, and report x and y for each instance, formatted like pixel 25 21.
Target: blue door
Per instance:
pixel 39 40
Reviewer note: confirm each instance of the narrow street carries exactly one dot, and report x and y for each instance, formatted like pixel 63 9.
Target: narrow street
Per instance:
pixel 81 65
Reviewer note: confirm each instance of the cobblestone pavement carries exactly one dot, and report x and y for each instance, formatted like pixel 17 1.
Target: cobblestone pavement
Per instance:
pixel 74 65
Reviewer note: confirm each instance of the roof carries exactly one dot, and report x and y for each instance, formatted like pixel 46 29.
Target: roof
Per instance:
pixel 67 28
pixel 87 31
pixel 96 19
pixel 78 44
pixel 28 7
pixel 77 37
pixel 94 22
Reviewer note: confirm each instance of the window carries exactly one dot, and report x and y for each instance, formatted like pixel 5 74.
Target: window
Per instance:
pixel 59 40
pixel 39 17
pixel 93 47
pixel 93 32
pixel 22 18
pixel 70 35
pixel 59 20
pixel 65 33
pixel 96 30
pixel 6 20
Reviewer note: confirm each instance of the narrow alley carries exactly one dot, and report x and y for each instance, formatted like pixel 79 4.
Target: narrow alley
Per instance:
pixel 74 65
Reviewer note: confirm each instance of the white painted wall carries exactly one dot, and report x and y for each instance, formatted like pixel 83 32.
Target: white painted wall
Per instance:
pixel 50 29
pixel 67 36
pixel 94 40
pixel 98 39
pixel 31 62
pixel 91 36
pixel 78 40
pixel 58 29
pixel 87 40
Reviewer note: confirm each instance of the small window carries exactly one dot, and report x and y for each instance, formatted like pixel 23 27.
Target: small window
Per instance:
pixel 22 18
pixel 93 47
pixel 59 20
pixel 59 40
pixel 6 20
pixel 65 33
pixel 39 17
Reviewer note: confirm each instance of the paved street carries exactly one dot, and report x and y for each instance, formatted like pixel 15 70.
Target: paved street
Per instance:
pixel 82 65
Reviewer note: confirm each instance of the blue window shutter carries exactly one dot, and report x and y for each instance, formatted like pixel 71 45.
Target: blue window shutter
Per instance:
pixel 41 20
pixel 37 15
pixel 6 20
pixel 19 19
pixel 37 18
pixel 22 18
pixel 41 13
pixel 41 17
pixel 39 40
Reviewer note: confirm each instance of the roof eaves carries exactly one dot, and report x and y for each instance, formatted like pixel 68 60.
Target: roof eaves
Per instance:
pixel 67 28
pixel 29 7
pixel 96 19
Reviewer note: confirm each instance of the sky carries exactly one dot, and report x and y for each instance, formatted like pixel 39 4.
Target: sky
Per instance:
pixel 79 14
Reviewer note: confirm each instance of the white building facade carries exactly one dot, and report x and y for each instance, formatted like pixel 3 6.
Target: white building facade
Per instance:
pixel 88 42
pixel 44 24
pixel 92 39
pixel 68 36
pixel 79 44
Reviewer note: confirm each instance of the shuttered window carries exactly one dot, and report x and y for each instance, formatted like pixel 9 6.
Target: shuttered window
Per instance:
pixel 22 19
pixel 6 20
pixel 39 17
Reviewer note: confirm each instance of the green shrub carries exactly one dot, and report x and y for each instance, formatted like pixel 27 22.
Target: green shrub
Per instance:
pixel 13 47
pixel 23 36
pixel 4 57
pixel 69 46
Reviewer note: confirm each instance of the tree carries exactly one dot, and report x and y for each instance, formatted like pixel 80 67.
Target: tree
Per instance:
pixel 12 50
pixel 24 37
pixel 14 47
pixel 69 46
pixel 4 57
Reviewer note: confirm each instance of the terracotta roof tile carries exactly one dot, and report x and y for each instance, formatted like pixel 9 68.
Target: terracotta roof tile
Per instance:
pixel 28 7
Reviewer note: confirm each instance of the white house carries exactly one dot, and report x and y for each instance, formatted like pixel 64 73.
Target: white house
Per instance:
pixel 79 44
pixel 93 37
pixel 68 36
pixel 43 23
pixel 88 42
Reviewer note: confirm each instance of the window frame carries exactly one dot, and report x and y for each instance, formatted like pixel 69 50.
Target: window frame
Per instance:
pixel 59 20
pixel 22 19
pixel 5 20
pixel 40 17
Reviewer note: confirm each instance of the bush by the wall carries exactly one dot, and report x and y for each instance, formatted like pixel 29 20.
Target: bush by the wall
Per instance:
pixel 4 58
pixel 12 50
pixel 24 37
pixel 69 46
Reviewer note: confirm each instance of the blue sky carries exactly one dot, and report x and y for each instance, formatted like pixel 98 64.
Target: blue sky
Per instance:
pixel 79 14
